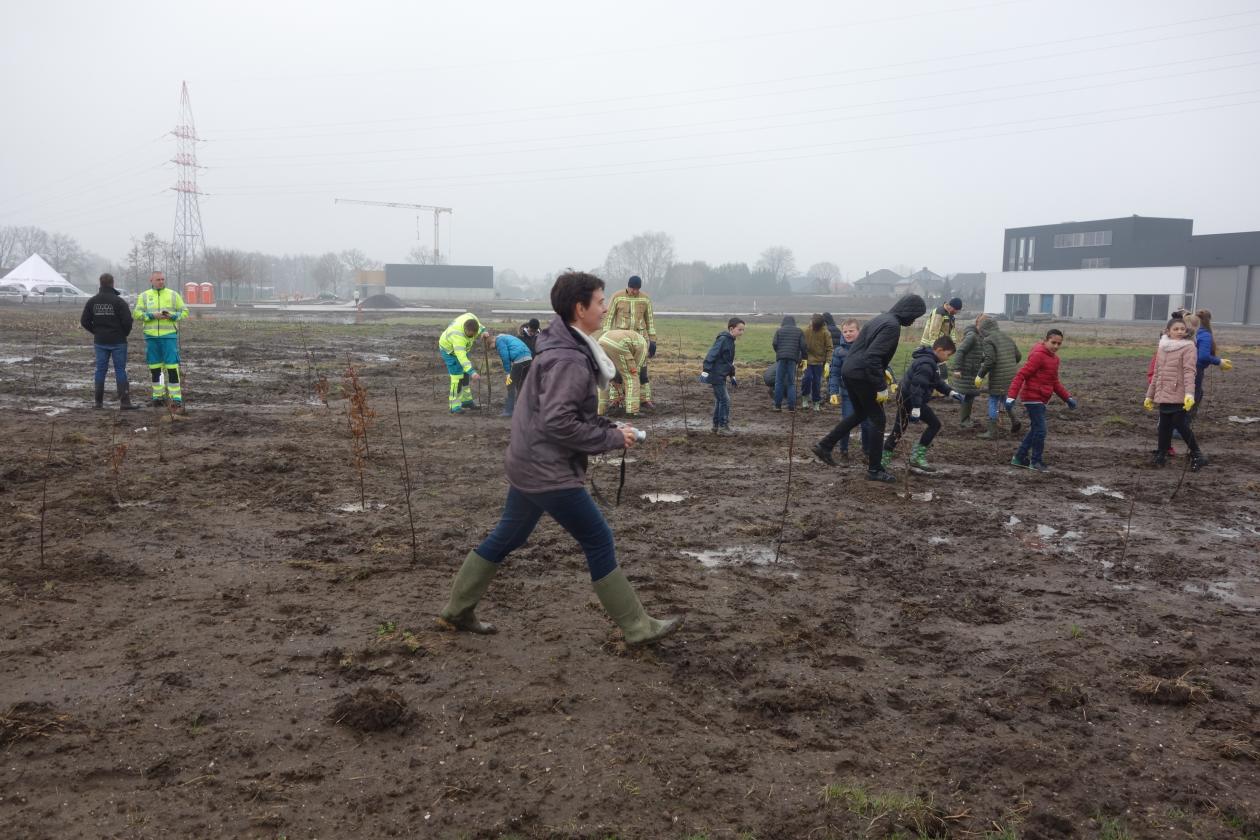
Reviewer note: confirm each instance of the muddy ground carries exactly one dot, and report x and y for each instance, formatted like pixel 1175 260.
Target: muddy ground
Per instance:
pixel 219 642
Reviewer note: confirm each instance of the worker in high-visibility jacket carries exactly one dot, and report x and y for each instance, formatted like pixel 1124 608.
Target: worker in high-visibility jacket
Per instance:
pixel 629 353
pixel 631 309
pixel 457 339
pixel 159 309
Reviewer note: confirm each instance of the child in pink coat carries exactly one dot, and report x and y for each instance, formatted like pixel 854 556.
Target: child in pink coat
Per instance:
pixel 1172 389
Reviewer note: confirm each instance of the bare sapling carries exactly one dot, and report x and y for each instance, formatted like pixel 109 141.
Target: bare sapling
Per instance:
pixel 682 384
pixel 306 352
pixel 406 470
pixel 485 346
pixel 158 418
pixel 39 336
pixel 787 492
pixel 117 455
pixel 1128 525
pixel 321 391
pixel 43 501
pixel 1185 468
pixel 358 416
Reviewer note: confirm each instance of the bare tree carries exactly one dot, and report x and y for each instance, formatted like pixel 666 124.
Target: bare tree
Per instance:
pixel 65 255
pixel 31 240
pixel 9 247
pixel 649 255
pixel 779 262
pixel 329 273
pixel 228 268
pixel 824 275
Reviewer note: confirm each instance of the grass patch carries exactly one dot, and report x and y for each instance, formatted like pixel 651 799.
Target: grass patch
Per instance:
pixel 1177 691
pixel 899 811
pixel 1112 828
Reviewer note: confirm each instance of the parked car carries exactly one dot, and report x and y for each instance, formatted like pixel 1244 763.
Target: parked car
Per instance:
pixel 11 293
pixel 58 295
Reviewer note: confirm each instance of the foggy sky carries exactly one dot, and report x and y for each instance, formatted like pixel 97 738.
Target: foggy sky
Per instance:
pixel 864 134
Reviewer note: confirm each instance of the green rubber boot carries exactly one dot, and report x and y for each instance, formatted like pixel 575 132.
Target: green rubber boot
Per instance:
pixel 471 583
pixel 623 606
pixel 990 431
pixel 885 459
pixel 964 415
pixel 918 459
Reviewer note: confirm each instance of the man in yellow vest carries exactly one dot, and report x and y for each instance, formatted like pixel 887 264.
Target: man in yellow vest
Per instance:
pixel 628 351
pixel 457 339
pixel 159 308
pixel 631 309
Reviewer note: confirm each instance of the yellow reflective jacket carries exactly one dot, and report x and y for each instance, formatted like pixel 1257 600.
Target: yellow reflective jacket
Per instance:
pixel 456 342
pixel 631 313
pixel 939 323
pixel 625 345
pixel 149 306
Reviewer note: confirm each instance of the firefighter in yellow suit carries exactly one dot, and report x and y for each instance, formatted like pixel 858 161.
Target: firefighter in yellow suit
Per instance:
pixel 629 353
pixel 631 309
pixel 159 308
pixel 457 339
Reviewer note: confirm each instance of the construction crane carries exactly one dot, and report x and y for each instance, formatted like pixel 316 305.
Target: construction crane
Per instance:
pixel 437 213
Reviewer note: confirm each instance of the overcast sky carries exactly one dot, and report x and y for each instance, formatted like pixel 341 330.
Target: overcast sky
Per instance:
pixel 865 134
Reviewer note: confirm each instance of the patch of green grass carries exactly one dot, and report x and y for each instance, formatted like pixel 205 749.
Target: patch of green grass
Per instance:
pixel 913 811
pixel 385 628
pixel 1006 833
pixel 1076 632
pixel 1113 828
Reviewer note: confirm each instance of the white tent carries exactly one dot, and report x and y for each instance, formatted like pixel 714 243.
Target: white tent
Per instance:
pixel 35 272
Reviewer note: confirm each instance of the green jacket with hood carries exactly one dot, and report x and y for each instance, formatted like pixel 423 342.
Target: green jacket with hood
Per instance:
pixel 1001 358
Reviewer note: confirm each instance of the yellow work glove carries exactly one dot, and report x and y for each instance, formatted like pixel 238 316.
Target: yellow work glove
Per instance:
pixel 892 389
pixel 979 382
pixel 882 396
pixel 508 382
pixel 888 377
pixel 800 366
pixel 1188 402
pixel 835 399
pixel 1226 364
pixel 1148 404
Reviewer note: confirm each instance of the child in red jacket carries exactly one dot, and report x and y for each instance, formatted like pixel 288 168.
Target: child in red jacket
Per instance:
pixel 1036 382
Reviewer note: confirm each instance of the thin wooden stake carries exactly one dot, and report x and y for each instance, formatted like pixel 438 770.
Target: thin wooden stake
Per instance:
pixel 485 345
pixel 43 502
pixel 1128 525
pixel 402 444
pixel 682 386
pixel 1184 469
pixel 787 494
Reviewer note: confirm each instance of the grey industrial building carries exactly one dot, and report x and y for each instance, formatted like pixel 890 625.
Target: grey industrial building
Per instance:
pixel 1132 268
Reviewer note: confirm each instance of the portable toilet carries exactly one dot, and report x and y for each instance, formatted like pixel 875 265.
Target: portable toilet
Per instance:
pixel 190 292
pixel 207 293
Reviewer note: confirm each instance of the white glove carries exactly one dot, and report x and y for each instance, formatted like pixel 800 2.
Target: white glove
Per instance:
pixel 914 414
pixel 1010 401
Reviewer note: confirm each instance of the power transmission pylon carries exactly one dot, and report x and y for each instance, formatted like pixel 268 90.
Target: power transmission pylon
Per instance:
pixel 437 212
pixel 188 243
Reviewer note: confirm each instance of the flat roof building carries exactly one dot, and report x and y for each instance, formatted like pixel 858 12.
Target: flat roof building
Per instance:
pixel 1136 268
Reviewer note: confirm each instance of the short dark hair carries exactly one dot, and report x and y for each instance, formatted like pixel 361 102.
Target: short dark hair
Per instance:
pixel 1054 331
pixel 107 279
pixel 474 323
pixel 944 343
pixel 733 323
pixel 570 289
pixel 533 324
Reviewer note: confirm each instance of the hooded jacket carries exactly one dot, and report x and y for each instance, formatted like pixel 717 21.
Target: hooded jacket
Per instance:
pixel 921 379
pixel 1001 358
pixel 830 321
pixel 107 317
pixel 719 362
pixel 967 360
pixel 789 341
pixel 876 344
pixel 1038 379
pixel 555 425
pixel 1203 344
pixel 835 380
pixel 818 345
pixel 1175 366
pixel 511 350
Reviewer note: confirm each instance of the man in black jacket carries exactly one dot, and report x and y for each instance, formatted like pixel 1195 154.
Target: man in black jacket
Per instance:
pixel 108 318
pixel 864 379
pixel 789 349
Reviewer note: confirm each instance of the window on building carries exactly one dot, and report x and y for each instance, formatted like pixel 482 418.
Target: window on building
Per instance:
pixel 1019 265
pixel 1032 247
pixel 1067 306
pixel 1096 262
pixel 1150 307
pixel 1192 286
pixel 1102 306
pixel 1016 305
pixel 1047 304
pixel 1010 253
pixel 1088 239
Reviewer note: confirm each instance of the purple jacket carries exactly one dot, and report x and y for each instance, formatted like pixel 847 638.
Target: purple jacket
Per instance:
pixel 554 424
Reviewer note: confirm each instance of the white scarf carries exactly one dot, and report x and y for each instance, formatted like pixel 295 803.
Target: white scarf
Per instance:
pixel 607 370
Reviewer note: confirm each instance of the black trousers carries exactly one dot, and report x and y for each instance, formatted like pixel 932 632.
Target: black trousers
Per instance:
pixel 926 415
pixel 865 407
pixel 1173 416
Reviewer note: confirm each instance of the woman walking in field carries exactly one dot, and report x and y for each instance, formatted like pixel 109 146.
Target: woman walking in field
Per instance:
pixel 1172 389
pixel 1034 385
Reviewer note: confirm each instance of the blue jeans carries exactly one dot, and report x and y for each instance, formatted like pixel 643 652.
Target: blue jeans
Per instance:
pixel 868 428
pixel 576 512
pixel 785 383
pixel 811 383
pixel 118 352
pixel 721 403
pixel 1034 442
pixel 996 403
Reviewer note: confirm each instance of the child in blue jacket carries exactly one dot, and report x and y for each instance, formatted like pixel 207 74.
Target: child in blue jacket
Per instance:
pixel 719 364
pixel 516 358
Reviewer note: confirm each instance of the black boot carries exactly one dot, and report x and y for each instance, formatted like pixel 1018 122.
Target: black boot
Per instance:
pixel 124 399
pixel 1198 461
pixel 99 395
